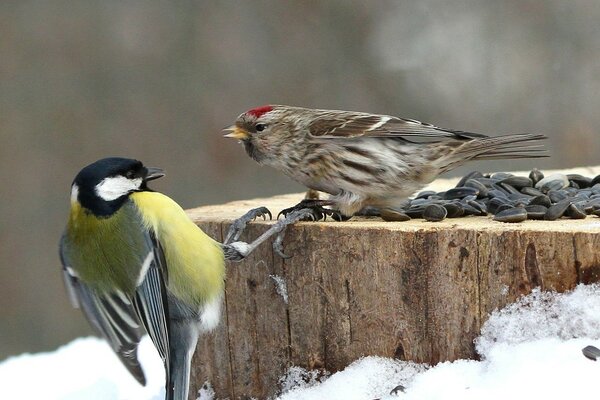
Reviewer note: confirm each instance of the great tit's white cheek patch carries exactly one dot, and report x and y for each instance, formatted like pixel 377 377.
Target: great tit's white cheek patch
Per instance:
pixel 113 187
pixel 74 194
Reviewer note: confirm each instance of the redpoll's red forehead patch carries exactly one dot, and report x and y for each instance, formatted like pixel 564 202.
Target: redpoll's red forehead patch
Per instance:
pixel 258 111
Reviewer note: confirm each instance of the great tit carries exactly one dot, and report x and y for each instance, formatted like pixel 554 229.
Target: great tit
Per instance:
pixel 135 263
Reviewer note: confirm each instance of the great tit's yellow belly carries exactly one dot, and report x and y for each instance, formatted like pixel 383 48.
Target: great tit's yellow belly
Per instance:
pixel 195 262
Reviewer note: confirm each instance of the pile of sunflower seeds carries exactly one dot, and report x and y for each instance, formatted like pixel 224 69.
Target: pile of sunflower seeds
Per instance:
pixel 510 198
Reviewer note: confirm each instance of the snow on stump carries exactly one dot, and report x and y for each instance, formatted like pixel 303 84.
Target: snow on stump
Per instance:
pixel 415 290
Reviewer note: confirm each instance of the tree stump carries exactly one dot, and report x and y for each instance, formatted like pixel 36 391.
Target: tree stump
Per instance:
pixel 415 290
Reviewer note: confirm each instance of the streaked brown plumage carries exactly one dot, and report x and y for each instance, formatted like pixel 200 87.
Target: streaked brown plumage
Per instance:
pixel 363 159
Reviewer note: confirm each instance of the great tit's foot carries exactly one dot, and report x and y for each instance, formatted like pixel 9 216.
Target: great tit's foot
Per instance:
pixel 238 226
pixel 591 352
pixel 318 210
pixel 236 251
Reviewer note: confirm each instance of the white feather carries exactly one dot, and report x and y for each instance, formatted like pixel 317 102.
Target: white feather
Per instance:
pixel 145 266
pixel 211 314
pixel 74 193
pixel 381 122
pixel 113 187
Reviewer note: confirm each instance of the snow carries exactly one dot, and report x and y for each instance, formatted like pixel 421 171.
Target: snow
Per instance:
pixel 83 369
pixel 530 349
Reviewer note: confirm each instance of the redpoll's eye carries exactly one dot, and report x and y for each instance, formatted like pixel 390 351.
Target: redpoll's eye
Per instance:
pixel 260 127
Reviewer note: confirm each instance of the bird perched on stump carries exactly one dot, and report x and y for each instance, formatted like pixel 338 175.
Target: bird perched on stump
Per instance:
pixel 135 264
pixel 363 159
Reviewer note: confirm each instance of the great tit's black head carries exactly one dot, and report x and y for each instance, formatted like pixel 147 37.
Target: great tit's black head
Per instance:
pixel 103 186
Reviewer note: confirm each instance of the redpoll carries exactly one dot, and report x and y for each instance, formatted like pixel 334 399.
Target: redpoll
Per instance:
pixel 363 159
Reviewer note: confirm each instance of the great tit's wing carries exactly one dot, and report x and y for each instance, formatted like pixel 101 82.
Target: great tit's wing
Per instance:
pixel 346 124
pixel 111 315
pixel 151 302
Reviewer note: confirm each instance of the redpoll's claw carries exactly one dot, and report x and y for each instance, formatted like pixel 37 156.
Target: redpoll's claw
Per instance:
pixel 319 212
pixel 238 226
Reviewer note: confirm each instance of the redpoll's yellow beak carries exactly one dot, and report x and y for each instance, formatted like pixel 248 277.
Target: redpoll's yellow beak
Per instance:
pixel 236 133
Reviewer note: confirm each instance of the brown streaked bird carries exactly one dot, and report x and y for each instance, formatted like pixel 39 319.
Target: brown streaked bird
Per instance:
pixel 363 159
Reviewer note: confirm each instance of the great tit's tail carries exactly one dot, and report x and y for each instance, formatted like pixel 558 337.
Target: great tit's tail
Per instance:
pixel 184 337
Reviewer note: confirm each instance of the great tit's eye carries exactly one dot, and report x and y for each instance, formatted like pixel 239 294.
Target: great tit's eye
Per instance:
pixel 260 127
pixel 130 174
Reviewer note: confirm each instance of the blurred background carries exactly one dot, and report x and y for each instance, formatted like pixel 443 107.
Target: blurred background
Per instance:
pixel 158 80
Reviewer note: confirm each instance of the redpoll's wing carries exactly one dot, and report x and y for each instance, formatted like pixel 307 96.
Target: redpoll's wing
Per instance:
pixel 336 124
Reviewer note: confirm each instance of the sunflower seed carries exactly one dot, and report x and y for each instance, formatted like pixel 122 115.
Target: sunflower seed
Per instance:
pixel 500 175
pixel 536 211
pixel 518 182
pixel 470 175
pixel 454 210
pixel 393 215
pixel 557 210
pixel 536 175
pixel 460 192
pixel 552 182
pixel 472 183
pixel 434 213
pixel 557 195
pixel 425 194
pixel 542 200
pixel 575 212
pixel 515 214
pixel 530 191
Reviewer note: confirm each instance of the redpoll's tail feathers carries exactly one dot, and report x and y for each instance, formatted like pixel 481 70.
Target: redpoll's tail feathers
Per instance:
pixel 496 148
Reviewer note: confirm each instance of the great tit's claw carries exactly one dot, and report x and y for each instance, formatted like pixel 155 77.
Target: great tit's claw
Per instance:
pixel 238 226
pixel 278 246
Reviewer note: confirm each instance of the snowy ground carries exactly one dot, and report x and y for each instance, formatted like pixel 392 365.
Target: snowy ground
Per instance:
pixel 531 349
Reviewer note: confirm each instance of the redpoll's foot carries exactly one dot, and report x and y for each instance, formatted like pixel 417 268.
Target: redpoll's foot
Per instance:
pixel 238 226
pixel 319 212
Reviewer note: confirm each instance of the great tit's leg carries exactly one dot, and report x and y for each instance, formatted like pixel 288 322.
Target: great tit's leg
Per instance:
pixel 238 226
pixel 319 210
pixel 591 352
pixel 237 251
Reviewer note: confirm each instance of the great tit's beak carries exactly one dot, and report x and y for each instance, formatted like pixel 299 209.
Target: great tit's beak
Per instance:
pixel 154 173
pixel 236 133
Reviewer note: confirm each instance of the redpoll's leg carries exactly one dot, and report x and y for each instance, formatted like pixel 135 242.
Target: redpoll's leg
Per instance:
pixel 238 226
pixel 311 194
pixel 237 251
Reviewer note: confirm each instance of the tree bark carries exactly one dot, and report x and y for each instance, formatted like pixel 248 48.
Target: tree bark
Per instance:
pixel 415 290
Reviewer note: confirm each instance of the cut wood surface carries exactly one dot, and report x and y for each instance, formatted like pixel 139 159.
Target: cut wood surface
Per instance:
pixel 413 290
